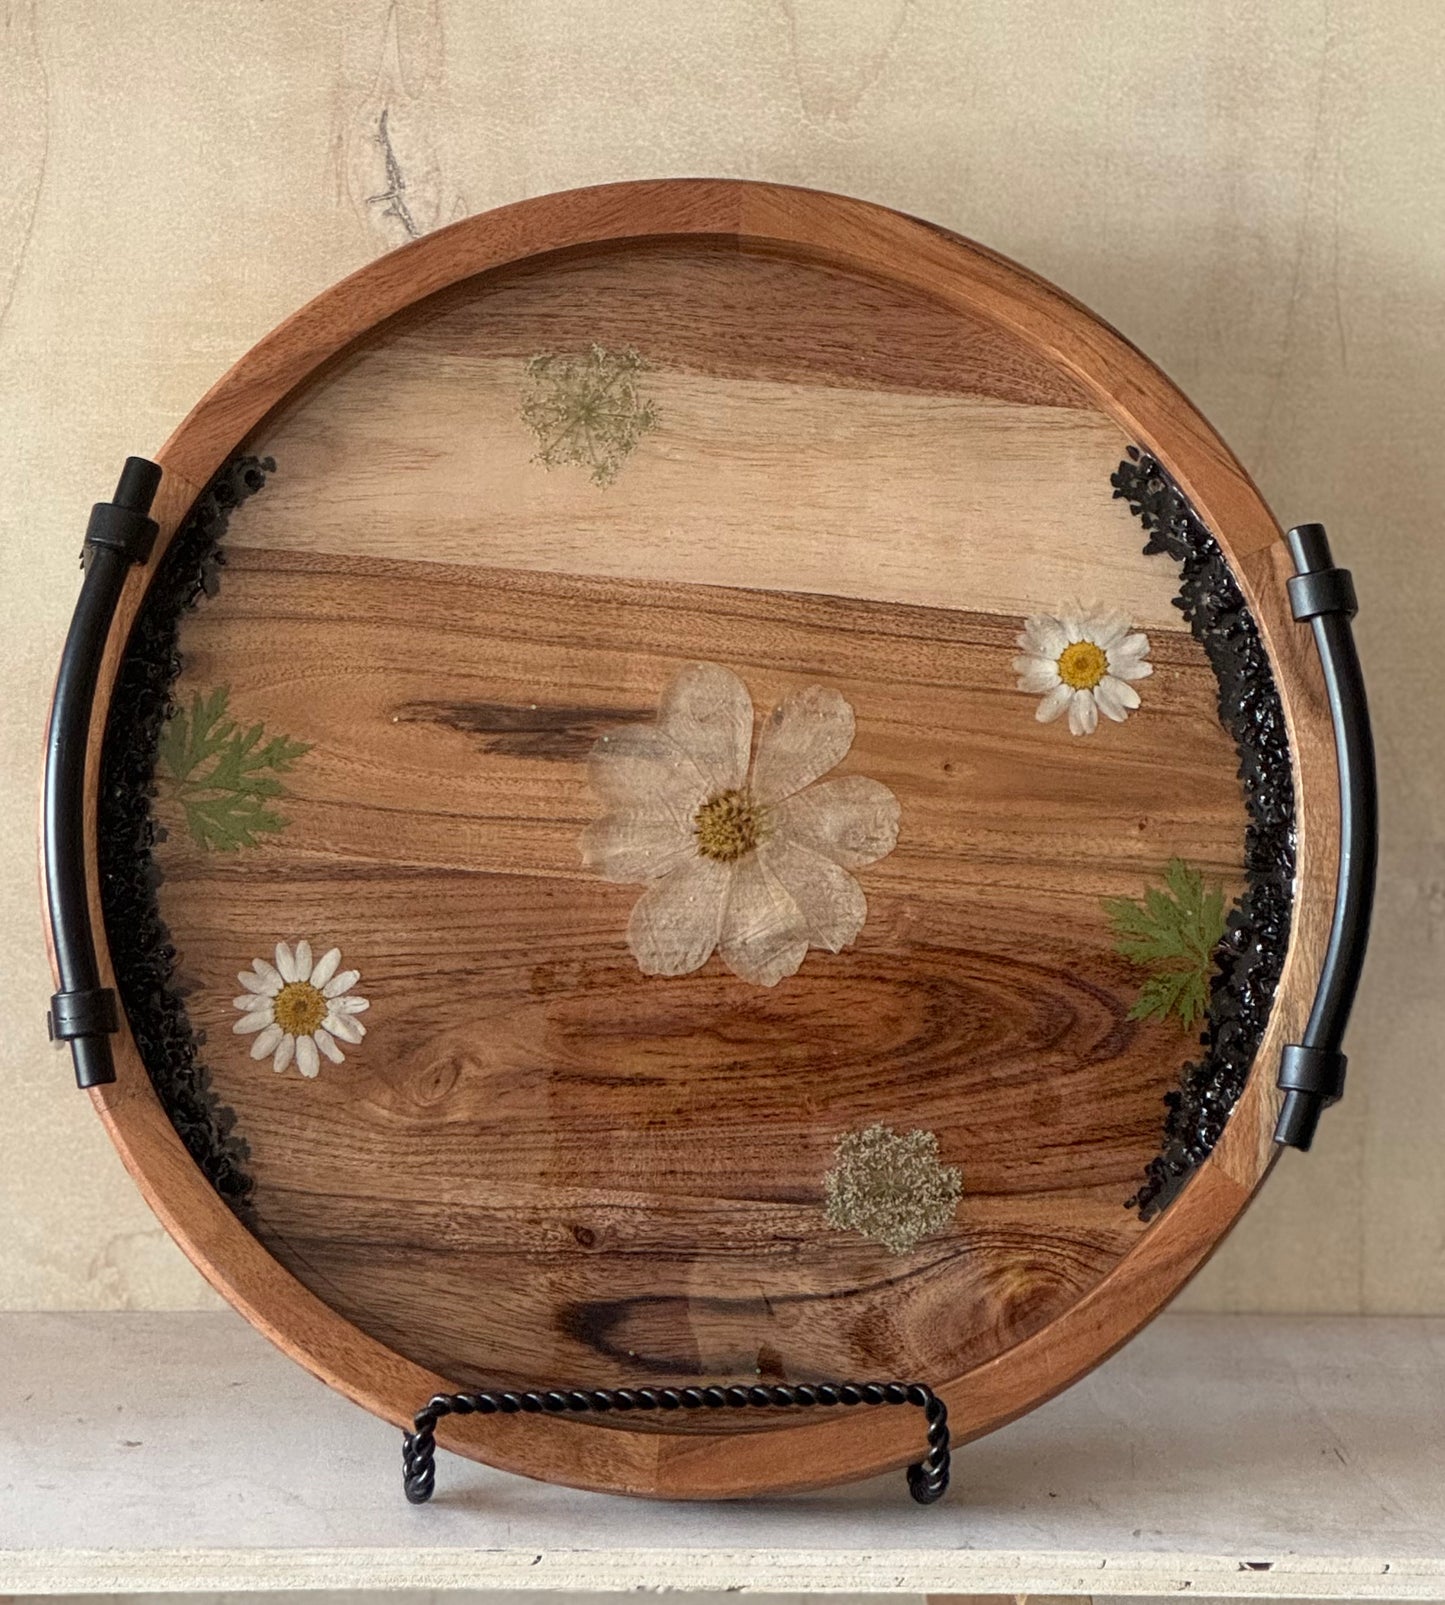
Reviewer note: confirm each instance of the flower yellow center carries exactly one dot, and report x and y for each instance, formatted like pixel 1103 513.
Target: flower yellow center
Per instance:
pixel 299 1008
pixel 1082 665
pixel 728 826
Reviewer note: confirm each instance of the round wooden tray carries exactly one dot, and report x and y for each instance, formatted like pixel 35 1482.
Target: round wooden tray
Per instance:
pixel 611 747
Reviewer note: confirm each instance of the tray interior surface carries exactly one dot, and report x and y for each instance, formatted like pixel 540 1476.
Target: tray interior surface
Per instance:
pixel 510 541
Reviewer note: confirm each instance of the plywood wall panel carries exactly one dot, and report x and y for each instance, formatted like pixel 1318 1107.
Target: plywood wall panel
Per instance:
pixel 1254 195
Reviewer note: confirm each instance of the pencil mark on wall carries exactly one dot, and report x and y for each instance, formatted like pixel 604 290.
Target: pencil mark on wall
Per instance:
pixel 25 134
pixel 392 199
pixel 392 113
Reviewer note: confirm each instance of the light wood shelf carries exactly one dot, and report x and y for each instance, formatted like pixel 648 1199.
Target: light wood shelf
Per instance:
pixel 1216 1455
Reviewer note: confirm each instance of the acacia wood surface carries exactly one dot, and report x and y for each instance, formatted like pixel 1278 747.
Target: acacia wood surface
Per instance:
pixel 632 1168
pixel 814 432
pixel 874 246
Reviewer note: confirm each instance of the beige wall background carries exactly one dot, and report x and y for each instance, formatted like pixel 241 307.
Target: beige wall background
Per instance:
pixel 1255 194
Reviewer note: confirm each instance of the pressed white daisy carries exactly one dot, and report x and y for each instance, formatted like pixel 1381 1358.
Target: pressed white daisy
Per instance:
pixel 300 1010
pixel 1083 661
pixel 749 859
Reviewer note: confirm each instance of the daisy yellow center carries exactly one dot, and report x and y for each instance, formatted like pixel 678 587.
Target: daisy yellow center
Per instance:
pixel 728 827
pixel 1082 665
pixel 299 1008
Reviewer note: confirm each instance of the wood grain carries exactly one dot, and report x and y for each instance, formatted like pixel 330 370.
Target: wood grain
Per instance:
pixel 1106 1304
pixel 632 1169
pixel 774 318
pixel 350 653
pixel 815 432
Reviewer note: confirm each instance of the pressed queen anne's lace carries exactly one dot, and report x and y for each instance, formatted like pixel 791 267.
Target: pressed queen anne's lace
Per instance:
pixel 751 860
pixel 891 1186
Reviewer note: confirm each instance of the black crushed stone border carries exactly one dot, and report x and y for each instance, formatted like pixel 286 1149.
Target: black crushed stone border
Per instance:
pixel 141 949
pixel 1250 957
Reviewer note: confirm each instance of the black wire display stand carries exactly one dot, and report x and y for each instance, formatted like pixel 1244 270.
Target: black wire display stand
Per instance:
pixel 85 1013
pixel 927 1478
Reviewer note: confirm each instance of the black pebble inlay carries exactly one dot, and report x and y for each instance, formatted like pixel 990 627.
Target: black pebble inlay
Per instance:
pixel 1250 957
pixel 127 832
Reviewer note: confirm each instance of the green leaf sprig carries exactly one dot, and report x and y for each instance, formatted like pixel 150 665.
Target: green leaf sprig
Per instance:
pixel 1173 933
pixel 223 776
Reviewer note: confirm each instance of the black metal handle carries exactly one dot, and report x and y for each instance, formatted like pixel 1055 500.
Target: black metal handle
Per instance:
pixel 1312 1072
pixel 927 1478
pixel 120 533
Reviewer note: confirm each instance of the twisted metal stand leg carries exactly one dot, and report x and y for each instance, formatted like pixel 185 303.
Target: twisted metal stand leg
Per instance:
pixel 927 1478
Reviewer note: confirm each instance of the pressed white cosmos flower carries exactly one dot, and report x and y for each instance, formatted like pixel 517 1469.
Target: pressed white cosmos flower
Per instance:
pixel 753 860
pixel 299 1009
pixel 1084 662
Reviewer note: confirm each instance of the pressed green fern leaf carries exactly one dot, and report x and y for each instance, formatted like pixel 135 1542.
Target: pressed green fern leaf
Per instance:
pixel 1172 933
pixel 224 777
